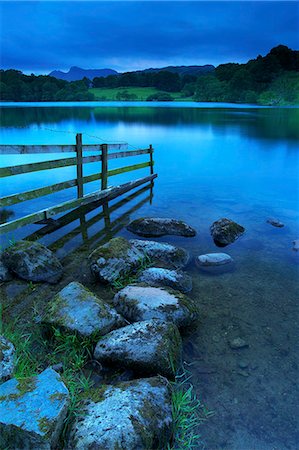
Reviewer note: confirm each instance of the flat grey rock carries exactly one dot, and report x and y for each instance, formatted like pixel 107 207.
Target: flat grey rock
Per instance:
pixel 131 415
pixel 225 231
pixel 157 276
pixel 7 353
pixel 156 226
pixel 115 259
pixel 275 222
pixel 138 303
pixel 32 261
pixel 172 256
pixel 75 308
pixel 238 343
pixel 151 346
pixel 32 411
pixel 214 259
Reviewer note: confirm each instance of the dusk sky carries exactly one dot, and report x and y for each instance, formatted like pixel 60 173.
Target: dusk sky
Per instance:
pixel 40 36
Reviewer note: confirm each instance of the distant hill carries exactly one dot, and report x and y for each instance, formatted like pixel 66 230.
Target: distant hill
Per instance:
pixel 76 73
pixel 184 70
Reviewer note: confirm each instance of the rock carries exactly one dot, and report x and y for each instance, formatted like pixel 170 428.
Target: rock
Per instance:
pixel 131 415
pixel 225 231
pixel 32 261
pixel 5 275
pixel 151 346
pixel 243 364
pixel 157 276
pixel 137 303
pixel 275 223
pixel 7 353
pixel 32 411
pixel 75 308
pixel 114 259
pixel 151 226
pixel 296 245
pixel 238 343
pixel 214 259
pixel 161 252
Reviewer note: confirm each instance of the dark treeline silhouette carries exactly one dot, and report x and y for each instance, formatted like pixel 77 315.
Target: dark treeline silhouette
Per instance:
pixel 271 80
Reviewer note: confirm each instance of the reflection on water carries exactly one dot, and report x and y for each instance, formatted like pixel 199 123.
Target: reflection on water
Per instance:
pixel 237 163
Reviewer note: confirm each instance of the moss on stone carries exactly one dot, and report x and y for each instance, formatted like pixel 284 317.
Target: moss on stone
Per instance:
pixel 115 248
pixel 24 386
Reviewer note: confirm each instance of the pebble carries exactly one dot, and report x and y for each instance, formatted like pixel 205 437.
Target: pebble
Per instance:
pixel 296 245
pixel 243 373
pixel 275 222
pixel 238 343
pixel 243 364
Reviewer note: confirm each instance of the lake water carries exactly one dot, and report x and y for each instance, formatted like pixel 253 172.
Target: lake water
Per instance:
pixel 212 161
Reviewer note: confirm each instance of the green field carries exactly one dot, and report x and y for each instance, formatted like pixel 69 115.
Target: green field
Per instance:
pixel 141 93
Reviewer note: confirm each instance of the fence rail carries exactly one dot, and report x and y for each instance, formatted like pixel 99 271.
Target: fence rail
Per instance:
pixel 79 161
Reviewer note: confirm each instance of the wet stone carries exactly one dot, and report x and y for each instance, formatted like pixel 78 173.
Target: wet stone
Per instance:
pixel 153 227
pixel 32 261
pixel 275 222
pixel 32 411
pixel 225 231
pixel 5 275
pixel 7 353
pixel 151 346
pixel 214 259
pixel 238 343
pixel 137 303
pixel 157 276
pixel 115 259
pixel 75 308
pixel 296 245
pixel 130 415
pixel 160 252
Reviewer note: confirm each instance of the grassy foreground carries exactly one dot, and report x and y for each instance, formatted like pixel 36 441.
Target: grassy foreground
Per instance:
pixel 141 93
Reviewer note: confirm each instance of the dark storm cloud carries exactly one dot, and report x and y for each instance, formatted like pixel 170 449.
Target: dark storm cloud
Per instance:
pixel 42 36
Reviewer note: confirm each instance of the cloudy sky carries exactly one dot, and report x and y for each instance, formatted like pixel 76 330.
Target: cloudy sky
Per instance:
pixel 39 36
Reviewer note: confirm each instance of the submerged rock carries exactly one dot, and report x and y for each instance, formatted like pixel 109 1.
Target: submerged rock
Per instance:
pixel 7 353
pixel 225 231
pixel 130 415
pixel 214 259
pixel 151 346
pixel 157 276
pixel 151 226
pixel 296 245
pixel 32 411
pixel 5 275
pixel 275 222
pixel 32 261
pixel 161 252
pixel 138 303
pixel 114 259
pixel 75 308
pixel 238 343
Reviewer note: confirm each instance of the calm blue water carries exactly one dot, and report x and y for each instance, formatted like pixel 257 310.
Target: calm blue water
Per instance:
pixel 212 161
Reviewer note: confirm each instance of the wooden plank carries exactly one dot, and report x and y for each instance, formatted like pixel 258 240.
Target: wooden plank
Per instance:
pixel 30 149
pixel 45 165
pixel 104 148
pixel 125 169
pixel 105 195
pixel 129 153
pixel 79 165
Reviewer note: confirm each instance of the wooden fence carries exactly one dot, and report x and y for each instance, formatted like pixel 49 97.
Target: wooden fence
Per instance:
pixel 105 193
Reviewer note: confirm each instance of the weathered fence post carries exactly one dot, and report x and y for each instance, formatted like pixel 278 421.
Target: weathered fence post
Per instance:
pixel 151 159
pixel 104 148
pixel 79 165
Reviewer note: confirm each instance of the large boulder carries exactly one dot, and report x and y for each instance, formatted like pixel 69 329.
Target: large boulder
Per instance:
pixel 75 308
pixel 115 259
pixel 151 346
pixel 153 227
pixel 7 353
pixel 137 303
pixel 157 276
pixel 160 252
pixel 32 261
pixel 32 411
pixel 131 415
pixel 225 231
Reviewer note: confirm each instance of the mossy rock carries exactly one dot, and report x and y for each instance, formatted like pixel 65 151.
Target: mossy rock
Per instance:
pixel 156 226
pixel 131 415
pixel 7 353
pixel 162 252
pixel 225 231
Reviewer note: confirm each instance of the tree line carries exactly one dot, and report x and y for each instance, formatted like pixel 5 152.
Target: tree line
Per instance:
pixel 271 80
